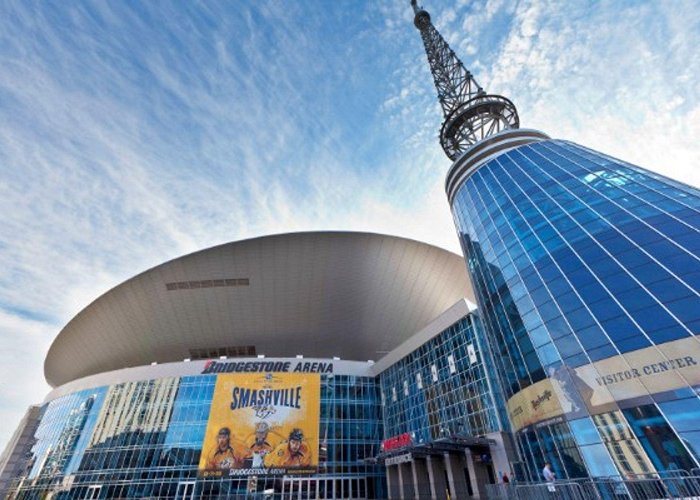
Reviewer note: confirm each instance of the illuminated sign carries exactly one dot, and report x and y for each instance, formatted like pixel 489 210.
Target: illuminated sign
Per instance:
pixel 400 441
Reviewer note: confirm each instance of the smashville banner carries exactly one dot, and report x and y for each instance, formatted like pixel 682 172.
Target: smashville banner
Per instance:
pixel 262 423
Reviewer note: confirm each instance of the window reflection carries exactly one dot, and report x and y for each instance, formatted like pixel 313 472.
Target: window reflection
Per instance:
pixel 658 439
pixel 143 439
pixel 622 444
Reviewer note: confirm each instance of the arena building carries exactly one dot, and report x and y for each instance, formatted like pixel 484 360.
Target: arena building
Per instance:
pixel 352 365
pixel 196 378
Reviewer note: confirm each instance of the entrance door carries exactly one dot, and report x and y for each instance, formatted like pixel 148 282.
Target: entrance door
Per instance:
pixel 290 488
pixel 185 490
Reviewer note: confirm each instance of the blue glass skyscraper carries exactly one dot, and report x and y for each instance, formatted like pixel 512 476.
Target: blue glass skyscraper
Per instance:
pixel 587 275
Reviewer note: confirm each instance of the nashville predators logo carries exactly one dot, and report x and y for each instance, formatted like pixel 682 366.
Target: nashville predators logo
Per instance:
pixel 264 411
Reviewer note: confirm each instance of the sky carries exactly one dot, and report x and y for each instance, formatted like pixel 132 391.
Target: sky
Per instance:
pixel 133 132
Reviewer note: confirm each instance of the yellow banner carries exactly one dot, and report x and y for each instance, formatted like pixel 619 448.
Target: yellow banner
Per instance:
pixel 533 404
pixel 262 423
pixel 598 386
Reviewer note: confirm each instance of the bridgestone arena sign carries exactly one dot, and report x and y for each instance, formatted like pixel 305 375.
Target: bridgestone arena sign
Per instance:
pixel 267 367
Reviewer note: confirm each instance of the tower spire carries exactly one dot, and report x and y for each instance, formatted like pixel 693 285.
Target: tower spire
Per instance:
pixel 470 113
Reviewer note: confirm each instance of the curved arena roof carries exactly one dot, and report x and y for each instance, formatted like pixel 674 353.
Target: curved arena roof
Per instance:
pixel 319 294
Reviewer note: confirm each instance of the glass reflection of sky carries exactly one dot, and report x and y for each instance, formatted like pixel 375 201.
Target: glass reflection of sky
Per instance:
pixel 87 429
pixel 189 418
pixel 53 425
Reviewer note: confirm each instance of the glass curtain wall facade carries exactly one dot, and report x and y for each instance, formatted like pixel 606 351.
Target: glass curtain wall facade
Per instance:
pixel 587 278
pixel 143 440
pixel 441 389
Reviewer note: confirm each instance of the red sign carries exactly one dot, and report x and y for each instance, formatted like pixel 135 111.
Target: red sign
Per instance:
pixel 395 442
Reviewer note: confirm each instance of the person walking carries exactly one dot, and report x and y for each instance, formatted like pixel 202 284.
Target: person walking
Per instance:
pixel 547 473
pixel 549 476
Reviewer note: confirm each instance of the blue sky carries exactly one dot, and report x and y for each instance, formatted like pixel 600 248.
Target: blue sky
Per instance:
pixel 134 132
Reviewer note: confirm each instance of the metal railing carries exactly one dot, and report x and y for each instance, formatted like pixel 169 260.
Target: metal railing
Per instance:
pixel 665 485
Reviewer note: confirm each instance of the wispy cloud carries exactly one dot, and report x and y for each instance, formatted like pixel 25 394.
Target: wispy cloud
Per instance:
pixel 131 133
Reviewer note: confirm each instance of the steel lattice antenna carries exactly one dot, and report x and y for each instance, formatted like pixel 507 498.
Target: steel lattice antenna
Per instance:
pixel 470 113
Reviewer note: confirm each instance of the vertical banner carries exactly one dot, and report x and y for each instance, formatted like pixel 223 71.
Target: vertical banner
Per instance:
pixel 262 423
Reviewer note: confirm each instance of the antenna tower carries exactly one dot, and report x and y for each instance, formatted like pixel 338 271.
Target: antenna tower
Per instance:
pixel 470 113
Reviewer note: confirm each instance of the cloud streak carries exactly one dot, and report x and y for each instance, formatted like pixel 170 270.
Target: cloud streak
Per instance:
pixel 133 133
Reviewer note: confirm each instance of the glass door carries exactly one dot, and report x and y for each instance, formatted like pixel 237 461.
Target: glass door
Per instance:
pixel 185 490
pixel 93 491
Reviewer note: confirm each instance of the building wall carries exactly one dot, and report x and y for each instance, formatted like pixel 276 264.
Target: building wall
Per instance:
pixel 144 438
pixel 441 389
pixel 587 277
pixel 136 407
pixel 13 460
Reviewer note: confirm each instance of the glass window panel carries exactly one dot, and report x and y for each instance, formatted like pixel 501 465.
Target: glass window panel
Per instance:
pixel 632 343
pixel 603 352
pixel 598 460
pixel 620 328
pixel 687 309
pixel 653 318
pixel 632 258
pixel 658 439
pixel 584 431
pixel 592 337
pixel 577 360
pixel 605 309
pixel 568 346
pixel 671 333
pixel 692 441
pixel 579 319
pixel 684 414
pixel 558 328
pixel 635 299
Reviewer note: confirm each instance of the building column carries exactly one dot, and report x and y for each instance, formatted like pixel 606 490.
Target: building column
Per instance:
pixel 473 475
pixel 406 474
pixel 392 482
pixel 502 454
pixel 402 495
pixel 421 487
pixel 436 477
pixel 458 487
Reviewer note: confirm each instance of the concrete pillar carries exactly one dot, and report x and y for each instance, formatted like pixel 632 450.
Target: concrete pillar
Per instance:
pixel 392 482
pixel 502 454
pixel 455 475
pixel 407 475
pixel 402 494
pixel 436 476
pixel 421 481
pixel 477 489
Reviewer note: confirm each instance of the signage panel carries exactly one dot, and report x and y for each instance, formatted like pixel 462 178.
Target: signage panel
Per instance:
pixel 399 459
pixel 394 442
pixel 597 386
pixel 262 423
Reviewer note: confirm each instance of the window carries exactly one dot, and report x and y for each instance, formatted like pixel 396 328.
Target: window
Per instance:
pixel 658 439
pixel 451 362
pixel 584 431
